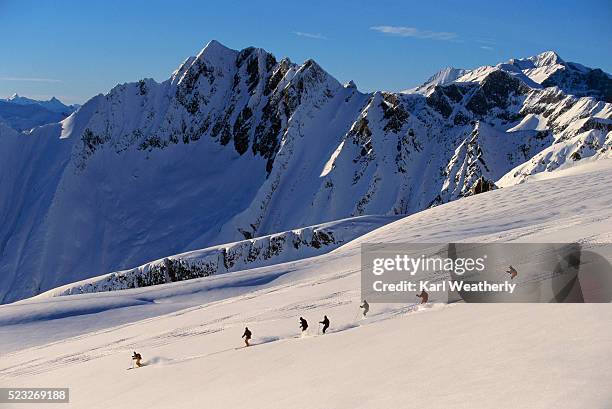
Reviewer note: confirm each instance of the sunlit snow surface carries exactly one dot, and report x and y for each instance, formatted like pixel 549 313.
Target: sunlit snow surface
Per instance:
pixel 459 355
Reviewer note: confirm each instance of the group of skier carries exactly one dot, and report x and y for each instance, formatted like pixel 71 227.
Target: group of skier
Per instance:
pixel 247 335
pixel 365 307
pixel 304 324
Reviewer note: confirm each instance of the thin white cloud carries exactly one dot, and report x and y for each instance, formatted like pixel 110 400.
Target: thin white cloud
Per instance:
pixel 316 36
pixel 486 47
pixel 415 32
pixel 29 79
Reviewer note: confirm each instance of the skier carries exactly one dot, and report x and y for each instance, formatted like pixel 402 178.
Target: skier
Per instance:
pixel 513 273
pixel 303 324
pixel 325 323
pixel 137 357
pixel 366 308
pixel 423 296
pixel 247 336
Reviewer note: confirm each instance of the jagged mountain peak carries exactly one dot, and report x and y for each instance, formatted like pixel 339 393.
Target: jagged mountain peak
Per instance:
pixel 548 58
pixel 215 50
pixel 350 84
pixel 547 61
pixel 52 104
pixel 442 77
pixel 445 75
pixel 214 53
pixel 313 67
pixel 214 44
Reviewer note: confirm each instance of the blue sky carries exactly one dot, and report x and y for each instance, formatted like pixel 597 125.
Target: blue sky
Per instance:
pixel 77 49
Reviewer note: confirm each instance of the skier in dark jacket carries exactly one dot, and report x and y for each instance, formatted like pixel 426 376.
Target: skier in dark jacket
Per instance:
pixel 423 296
pixel 303 324
pixel 325 323
pixel 247 336
pixel 137 357
pixel 366 308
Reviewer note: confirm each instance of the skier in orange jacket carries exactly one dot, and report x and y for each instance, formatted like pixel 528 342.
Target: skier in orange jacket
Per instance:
pixel 137 357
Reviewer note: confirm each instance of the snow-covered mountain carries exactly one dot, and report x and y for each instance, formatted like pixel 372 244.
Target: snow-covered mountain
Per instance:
pixel 53 104
pixel 442 77
pixel 511 355
pixel 237 145
pixel 540 71
pixel 549 70
pixel 23 113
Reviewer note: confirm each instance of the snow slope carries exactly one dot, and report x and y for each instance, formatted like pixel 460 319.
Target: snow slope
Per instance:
pixel 460 356
pixel 531 122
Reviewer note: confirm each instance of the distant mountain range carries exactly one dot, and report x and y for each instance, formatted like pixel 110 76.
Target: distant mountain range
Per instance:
pixel 23 113
pixel 541 71
pixel 237 145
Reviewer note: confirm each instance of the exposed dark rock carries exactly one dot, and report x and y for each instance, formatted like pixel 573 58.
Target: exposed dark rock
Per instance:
pixel 437 100
pixel 242 127
pixel 393 112
pixel 594 83
pixel 276 77
pixel 253 72
pixel 482 185
pixel 453 92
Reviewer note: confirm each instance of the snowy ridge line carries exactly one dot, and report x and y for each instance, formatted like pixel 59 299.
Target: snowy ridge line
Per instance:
pixel 246 254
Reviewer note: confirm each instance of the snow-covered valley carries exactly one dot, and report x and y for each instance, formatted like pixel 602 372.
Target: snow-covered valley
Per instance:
pixel 457 355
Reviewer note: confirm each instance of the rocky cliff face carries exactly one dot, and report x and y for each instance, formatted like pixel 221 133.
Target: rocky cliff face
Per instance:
pixel 237 145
